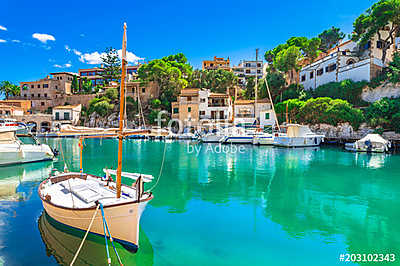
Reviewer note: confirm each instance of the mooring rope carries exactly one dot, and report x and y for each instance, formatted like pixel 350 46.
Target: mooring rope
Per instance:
pixel 84 238
pixel 109 234
pixel 161 168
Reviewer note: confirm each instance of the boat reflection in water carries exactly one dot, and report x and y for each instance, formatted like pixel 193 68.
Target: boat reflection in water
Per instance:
pixel 14 178
pixel 62 242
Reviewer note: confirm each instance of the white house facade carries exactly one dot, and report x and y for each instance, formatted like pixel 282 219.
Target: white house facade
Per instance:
pixel 247 69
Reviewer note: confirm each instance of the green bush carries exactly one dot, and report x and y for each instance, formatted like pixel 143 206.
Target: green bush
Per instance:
pixel 103 108
pixel 320 110
pixel 155 103
pixel 384 113
pixel 346 90
pixel 111 93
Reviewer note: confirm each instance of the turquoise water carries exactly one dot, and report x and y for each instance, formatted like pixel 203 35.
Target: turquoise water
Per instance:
pixel 259 206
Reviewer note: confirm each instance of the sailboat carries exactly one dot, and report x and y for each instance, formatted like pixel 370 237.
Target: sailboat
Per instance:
pixel 74 198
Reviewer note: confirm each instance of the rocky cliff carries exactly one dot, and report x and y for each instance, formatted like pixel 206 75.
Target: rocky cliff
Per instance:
pixel 387 89
pixel 110 121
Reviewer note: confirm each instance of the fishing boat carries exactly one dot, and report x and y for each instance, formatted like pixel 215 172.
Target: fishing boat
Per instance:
pixel 14 151
pixel 74 198
pixel 370 143
pixel 298 136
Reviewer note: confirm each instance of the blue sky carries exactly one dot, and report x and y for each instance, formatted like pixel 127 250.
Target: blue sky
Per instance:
pixel 39 37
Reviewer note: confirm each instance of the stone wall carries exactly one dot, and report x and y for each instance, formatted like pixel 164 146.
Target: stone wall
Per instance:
pixel 110 121
pixel 345 131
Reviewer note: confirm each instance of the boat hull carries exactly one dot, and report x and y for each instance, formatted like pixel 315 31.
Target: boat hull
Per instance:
pixel 293 142
pixel 123 220
pixel 238 140
pixel 13 154
pixel 212 138
pixel 263 141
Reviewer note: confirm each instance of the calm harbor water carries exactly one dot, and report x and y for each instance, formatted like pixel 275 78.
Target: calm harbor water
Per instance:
pixel 260 206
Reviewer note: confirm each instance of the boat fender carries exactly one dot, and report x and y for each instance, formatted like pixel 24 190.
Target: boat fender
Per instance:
pixel 47 198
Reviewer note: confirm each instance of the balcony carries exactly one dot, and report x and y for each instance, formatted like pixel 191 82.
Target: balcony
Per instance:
pixel 244 115
pixel 217 105
pixel 209 117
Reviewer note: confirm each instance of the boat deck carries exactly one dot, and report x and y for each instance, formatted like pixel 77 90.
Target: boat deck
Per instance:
pixel 81 193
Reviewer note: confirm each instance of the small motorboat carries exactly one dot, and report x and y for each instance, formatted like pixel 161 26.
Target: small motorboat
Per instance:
pixel 298 136
pixel 370 143
pixel 261 138
pixel 14 151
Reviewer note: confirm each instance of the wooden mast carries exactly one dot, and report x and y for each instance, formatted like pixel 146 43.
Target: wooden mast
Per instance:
pixel 121 113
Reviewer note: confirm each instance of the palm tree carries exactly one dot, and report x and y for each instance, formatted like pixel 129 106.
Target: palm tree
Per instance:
pixel 9 89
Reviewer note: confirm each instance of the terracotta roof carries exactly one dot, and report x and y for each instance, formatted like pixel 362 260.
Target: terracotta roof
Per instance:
pixel 69 73
pixel 10 106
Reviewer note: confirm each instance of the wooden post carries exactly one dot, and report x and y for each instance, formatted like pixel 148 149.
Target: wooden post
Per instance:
pixel 81 147
pixel 121 113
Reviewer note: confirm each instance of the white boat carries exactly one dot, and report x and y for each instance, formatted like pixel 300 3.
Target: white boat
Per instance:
pixel 74 199
pixel 370 143
pixel 236 135
pixel 298 136
pixel 215 136
pixel 261 138
pixel 14 151
pixel 7 124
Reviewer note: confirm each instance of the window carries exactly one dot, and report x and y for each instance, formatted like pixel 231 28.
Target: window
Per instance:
pixel 202 113
pixel 331 68
pixel 247 71
pixel 38 95
pixel 42 103
pixel 344 53
pixel 60 78
pixel 33 95
pixel 258 71
pixel 56 87
pixel 258 65
pixel 202 100
pixel 57 116
pixel 303 78
pixel 25 95
pixel 311 74
pixel 45 86
pixel 38 86
pixel 350 62
pixel 326 69
pixel 189 109
pixel 143 90
pixel 66 116
pixel 320 72
pixel 266 116
pixel 176 110
pixel 45 95
pixel 189 98
pixel 32 86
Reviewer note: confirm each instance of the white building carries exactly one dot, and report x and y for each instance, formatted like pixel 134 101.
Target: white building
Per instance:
pixel 247 69
pixel 248 113
pixel 196 107
pixel 67 114
pixel 345 61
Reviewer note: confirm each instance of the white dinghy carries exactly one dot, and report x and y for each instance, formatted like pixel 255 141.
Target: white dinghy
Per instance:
pixel 370 143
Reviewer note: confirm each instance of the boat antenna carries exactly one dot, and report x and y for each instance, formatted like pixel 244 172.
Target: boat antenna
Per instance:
pixel 121 113
pixel 272 103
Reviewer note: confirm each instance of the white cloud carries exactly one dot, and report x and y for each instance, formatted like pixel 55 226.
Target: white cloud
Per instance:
pixel 43 37
pixel 77 52
pixel 2 41
pixel 17 41
pixel 3 28
pixel 82 35
pixel 67 48
pixel 130 57
pixel 67 65
pixel 95 57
